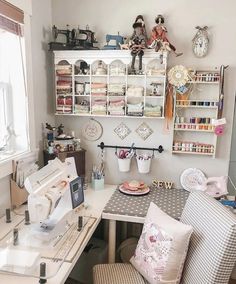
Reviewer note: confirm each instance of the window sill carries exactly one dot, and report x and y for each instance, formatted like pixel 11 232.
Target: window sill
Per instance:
pixel 6 166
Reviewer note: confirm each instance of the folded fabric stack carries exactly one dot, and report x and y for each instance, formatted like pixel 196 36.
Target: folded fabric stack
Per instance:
pixel 64 109
pixel 64 87
pixel 134 91
pixel 117 71
pixel 64 104
pixel 135 109
pixel 99 89
pixel 116 89
pixel 63 70
pixel 156 72
pixel 153 110
pixel 82 107
pixel 99 106
pixel 116 107
pixel 61 100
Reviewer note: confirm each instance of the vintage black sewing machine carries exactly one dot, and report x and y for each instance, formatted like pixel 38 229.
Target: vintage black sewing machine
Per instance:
pixel 75 39
pixel 118 40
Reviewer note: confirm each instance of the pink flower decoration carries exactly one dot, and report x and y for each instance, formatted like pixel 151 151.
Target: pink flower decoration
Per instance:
pixel 219 130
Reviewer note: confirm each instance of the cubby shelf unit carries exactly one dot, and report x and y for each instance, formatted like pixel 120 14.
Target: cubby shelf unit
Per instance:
pixel 69 102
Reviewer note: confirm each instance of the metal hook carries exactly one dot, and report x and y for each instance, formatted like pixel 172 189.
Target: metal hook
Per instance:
pixel 153 153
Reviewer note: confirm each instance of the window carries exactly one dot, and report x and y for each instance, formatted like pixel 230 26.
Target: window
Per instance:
pixel 13 98
pixel 4 116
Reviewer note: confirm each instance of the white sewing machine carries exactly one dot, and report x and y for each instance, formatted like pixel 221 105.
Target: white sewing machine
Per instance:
pixel 54 191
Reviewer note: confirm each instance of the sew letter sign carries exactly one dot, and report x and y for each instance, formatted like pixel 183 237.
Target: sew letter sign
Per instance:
pixel 162 184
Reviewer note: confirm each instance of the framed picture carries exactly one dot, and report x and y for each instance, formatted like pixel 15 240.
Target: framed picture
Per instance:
pixel 144 131
pixel 122 130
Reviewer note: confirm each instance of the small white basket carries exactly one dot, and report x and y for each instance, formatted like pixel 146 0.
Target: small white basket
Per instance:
pixel 144 166
pixel 124 164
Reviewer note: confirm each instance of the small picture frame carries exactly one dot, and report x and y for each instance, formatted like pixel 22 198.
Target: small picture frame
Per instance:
pixel 122 130
pixel 144 131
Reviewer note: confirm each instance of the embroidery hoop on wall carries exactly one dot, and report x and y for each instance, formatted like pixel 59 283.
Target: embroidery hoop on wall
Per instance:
pixel 92 130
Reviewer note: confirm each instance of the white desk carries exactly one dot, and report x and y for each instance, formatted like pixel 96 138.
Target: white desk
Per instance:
pixel 95 201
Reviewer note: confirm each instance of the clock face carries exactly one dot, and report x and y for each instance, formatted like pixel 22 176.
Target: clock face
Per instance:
pixel 200 45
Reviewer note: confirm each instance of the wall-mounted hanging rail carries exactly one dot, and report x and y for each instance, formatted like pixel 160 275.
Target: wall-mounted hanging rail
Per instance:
pixel 160 149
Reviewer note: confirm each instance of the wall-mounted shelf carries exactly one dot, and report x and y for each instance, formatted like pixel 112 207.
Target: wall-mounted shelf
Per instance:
pixel 194 127
pixel 181 147
pixel 196 104
pixel 156 76
pixel 193 153
pixel 154 97
pixel 111 90
pixel 100 115
pixel 193 116
pixel 200 82
pixel 205 77
pixel 206 107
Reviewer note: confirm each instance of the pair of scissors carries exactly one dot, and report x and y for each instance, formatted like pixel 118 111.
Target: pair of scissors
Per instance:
pixel 123 154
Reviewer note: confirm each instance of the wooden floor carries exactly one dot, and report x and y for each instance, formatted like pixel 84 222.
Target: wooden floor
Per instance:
pixel 232 281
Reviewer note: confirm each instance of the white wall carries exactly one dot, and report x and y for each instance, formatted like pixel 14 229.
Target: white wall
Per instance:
pixel 42 67
pixel 111 16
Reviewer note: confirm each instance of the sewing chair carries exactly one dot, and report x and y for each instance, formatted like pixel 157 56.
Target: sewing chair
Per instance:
pixel 212 249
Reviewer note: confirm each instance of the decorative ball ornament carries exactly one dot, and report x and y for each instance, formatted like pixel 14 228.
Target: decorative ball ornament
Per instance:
pixel 178 76
pixel 200 41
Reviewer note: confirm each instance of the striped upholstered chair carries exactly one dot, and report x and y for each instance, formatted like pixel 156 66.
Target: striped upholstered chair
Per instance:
pixel 212 250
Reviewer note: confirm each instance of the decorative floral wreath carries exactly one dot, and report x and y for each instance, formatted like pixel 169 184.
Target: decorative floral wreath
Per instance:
pixel 178 76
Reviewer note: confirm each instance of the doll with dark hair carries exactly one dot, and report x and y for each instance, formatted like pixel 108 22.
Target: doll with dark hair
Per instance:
pixel 159 40
pixel 138 42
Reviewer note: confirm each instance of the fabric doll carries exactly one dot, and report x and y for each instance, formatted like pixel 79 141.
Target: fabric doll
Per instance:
pixel 159 40
pixel 138 42
pixel 60 129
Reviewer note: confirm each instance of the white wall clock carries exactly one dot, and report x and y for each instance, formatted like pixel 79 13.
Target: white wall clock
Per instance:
pixel 201 42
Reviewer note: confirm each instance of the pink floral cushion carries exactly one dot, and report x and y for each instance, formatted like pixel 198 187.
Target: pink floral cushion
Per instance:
pixel 162 247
